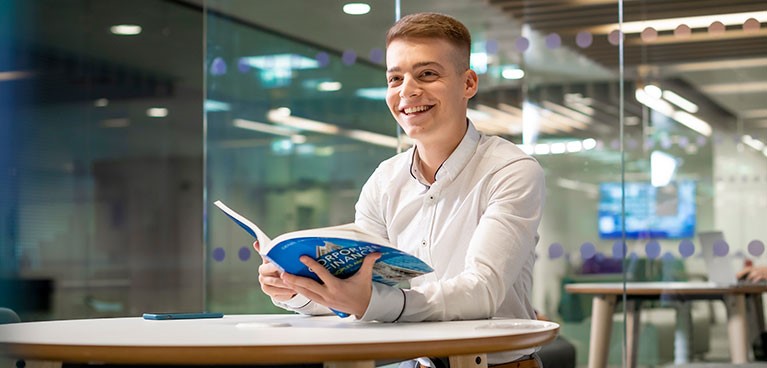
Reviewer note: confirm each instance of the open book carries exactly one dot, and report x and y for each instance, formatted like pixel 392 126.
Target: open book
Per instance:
pixel 340 249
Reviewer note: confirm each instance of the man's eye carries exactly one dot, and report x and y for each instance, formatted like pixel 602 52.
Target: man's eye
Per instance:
pixel 428 74
pixel 393 79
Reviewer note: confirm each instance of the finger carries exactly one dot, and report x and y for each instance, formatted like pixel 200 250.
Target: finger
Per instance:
pixel 257 247
pixel 311 294
pixel 744 272
pixel 273 281
pixel 268 269
pixel 366 270
pixel 318 269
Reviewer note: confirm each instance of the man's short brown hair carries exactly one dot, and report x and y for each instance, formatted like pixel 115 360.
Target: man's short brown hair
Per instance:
pixel 434 25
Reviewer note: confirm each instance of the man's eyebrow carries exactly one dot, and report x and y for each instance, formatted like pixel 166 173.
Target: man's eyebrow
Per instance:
pixel 415 66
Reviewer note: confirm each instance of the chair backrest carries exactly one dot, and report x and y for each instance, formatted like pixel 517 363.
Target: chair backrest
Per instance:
pixel 7 315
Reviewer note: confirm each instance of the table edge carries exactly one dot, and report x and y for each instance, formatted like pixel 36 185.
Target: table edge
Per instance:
pixel 198 355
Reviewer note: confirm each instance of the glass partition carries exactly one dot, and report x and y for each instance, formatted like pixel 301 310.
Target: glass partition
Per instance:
pixel 101 140
pixel 647 118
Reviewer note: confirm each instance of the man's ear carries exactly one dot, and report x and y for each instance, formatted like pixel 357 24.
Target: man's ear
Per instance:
pixel 471 84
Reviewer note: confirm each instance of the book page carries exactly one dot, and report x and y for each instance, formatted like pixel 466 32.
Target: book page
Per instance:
pixel 250 227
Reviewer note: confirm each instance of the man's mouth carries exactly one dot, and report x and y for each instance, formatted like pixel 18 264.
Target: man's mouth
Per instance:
pixel 416 109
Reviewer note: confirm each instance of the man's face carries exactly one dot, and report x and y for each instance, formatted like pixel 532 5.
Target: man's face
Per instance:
pixel 427 93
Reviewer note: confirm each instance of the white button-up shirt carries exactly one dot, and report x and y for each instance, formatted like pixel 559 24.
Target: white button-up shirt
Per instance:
pixel 476 225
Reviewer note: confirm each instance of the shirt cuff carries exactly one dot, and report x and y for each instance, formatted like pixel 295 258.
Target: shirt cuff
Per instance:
pixel 295 303
pixel 386 304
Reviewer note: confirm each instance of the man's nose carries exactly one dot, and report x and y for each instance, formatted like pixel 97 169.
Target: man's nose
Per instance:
pixel 410 88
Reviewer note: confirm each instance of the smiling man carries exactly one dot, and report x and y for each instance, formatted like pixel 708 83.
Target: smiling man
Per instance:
pixel 466 203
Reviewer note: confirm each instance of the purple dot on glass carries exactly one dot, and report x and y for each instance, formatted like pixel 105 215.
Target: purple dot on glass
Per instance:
pixel 614 38
pixel 721 248
pixel 683 142
pixel 649 34
pixel 666 142
pixel 584 39
pixel 322 58
pixel 349 57
pixel 667 257
pixel 556 250
pixel 682 31
pixel 491 46
pixel 219 254
pixel 686 248
pixel 615 144
pixel 755 248
pixel 588 250
pixel 649 144
pixel 652 249
pixel 716 28
pixel 376 55
pixel 619 249
pixel 243 66
pixel 701 141
pixel 632 144
pixel 244 254
pixel 522 44
pixel 553 41
pixel 751 25
pixel 218 67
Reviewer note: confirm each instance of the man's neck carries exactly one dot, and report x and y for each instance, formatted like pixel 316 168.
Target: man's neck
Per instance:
pixel 433 154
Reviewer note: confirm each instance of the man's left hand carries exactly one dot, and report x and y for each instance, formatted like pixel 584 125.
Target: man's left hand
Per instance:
pixel 350 295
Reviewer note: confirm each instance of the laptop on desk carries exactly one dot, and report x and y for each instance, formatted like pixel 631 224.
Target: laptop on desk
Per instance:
pixel 719 269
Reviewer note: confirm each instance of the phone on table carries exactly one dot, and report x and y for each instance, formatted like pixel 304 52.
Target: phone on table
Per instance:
pixel 171 316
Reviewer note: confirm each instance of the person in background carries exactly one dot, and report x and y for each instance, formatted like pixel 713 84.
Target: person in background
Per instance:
pixel 753 273
pixel 466 203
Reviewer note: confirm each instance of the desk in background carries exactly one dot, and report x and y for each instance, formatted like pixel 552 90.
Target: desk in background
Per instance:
pixel 606 295
pixel 268 339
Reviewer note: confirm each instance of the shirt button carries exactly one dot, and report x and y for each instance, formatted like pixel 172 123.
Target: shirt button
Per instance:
pixel 423 243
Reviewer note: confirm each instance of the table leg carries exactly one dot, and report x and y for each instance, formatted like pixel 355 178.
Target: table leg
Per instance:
pixel 602 308
pixel 736 327
pixel 468 361
pixel 351 364
pixel 632 332
pixel 682 333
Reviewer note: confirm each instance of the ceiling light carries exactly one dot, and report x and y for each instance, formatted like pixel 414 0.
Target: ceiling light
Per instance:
pixel 125 29
pixel 157 112
pixel 680 101
pixel 558 147
pixel 263 127
pixel 589 144
pixel 101 102
pixel 213 106
pixel 14 75
pixel 356 8
pixel 513 73
pixel 670 24
pixel 662 168
pixel 653 91
pixel 281 62
pixel 753 143
pixel 329 86
pixel 375 93
pixel 693 122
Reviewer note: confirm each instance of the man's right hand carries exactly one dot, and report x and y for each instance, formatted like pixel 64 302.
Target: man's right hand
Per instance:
pixel 270 280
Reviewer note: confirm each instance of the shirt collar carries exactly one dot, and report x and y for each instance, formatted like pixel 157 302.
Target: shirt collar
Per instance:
pixel 455 162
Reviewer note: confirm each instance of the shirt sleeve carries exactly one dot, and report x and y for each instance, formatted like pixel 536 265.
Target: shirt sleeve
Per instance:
pixel 499 253
pixel 303 305
pixel 369 213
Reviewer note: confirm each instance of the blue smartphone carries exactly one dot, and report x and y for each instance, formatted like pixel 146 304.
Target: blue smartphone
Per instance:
pixel 170 316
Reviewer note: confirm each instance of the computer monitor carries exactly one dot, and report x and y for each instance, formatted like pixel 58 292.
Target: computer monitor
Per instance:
pixel 650 212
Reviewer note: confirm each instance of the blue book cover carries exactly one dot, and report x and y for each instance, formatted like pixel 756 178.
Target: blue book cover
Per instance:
pixel 340 249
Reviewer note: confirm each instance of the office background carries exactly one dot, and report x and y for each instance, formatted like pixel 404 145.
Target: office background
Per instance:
pixel 115 141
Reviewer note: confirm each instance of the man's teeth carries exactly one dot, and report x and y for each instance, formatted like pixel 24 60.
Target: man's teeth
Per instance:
pixel 411 110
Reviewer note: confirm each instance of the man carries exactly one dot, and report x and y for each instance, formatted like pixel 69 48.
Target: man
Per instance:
pixel 467 204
